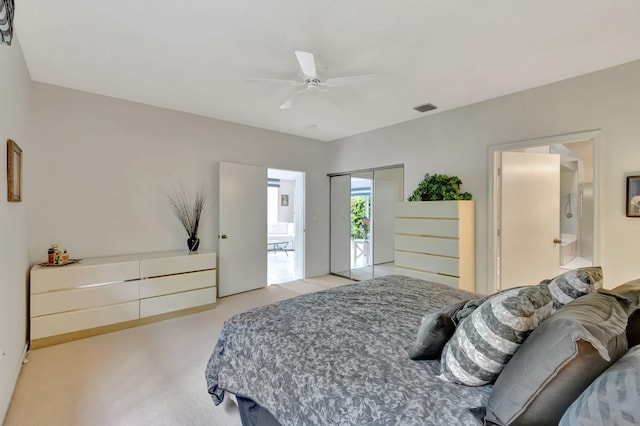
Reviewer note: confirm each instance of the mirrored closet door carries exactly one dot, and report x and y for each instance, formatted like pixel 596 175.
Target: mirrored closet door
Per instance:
pixel 362 221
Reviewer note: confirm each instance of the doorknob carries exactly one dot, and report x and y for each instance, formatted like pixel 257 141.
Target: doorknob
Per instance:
pixel 557 241
pixel 223 236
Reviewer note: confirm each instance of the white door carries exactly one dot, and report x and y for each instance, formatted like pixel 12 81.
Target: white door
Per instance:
pixel 530 218
pixel 242 227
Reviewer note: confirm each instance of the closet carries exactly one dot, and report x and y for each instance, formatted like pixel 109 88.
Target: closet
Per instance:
pixel 362 221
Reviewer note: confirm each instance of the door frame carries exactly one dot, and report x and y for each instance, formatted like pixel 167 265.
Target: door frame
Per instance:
pixel 493 240
pixel 299 209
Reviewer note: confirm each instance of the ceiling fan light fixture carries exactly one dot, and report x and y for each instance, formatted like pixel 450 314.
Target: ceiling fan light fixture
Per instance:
pixel 425 107
pixel 310 82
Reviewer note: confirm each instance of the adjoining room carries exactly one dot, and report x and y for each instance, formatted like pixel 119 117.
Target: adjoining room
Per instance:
pixel 285 226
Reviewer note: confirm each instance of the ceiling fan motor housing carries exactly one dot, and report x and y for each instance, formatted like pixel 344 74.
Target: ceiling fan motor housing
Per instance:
pixel 312 83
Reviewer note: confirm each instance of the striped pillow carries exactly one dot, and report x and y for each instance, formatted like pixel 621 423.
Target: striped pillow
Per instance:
pixel 612 399
pixel 573 284
pixel 485 341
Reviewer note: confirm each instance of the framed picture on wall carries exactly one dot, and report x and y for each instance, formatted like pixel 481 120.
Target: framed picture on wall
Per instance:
pixel 633 196
pixel 284 200
pixel 14 171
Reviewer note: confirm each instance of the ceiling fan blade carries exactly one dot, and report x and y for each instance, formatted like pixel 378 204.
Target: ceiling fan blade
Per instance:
pixel 307 63
pixel 275 80
pixel 289 102
pixel 347 81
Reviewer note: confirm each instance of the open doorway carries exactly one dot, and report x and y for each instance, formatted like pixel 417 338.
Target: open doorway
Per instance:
pixel 544 217
pixel 285 226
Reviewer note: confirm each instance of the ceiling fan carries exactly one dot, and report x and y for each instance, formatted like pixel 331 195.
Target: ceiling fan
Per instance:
pixel 310 82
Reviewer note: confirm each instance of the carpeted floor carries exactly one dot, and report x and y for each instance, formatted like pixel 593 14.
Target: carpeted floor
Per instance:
pixel 148 375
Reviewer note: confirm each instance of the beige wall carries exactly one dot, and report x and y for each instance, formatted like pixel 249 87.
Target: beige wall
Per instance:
pixel 456 142
pixel 99 167
pixel 14 262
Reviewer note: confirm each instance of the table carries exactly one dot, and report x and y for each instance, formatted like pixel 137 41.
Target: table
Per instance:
pixel 277 245
pixel 360 249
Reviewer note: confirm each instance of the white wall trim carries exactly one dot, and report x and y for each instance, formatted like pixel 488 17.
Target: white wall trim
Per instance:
pixel 595 136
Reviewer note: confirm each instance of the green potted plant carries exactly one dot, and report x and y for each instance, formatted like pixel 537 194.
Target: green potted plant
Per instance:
pixel 439 187
pixel 435 233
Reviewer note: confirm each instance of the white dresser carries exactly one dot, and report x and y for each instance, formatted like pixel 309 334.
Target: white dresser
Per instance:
pixel 435 241
pixel 100 295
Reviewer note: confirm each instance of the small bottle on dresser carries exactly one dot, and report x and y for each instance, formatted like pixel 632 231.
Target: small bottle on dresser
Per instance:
pixel 57 255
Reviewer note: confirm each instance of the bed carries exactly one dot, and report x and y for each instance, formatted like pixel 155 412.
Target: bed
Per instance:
pixel 340 357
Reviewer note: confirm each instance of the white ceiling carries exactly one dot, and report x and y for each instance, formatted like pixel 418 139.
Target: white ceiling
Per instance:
pixel 194 55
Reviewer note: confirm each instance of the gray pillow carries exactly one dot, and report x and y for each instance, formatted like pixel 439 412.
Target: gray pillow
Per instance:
pixel 484 342
pixel 453 309
pixel 564 288
pixel 573 284
pixel 633 329
pixel 435 331
pixel 612 399
pixel 630 291
pixel 471 305
pixel 558 361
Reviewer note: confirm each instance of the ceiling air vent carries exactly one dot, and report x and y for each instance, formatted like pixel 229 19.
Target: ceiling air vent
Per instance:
pixel 425 107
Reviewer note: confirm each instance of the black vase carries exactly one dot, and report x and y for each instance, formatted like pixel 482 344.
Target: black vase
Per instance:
pixel 193 243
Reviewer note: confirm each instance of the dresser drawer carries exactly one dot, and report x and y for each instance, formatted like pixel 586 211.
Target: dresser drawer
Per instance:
pixel 428 276
pixel 84 298
pixel 67 322
pixel 51 278
pixel 420 244
pixel 175 302
pixel 159 286
pixel 447 228
pixel 428 263
pixel 156 267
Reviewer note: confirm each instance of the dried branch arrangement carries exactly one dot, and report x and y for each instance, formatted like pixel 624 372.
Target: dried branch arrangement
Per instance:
pixel 188 207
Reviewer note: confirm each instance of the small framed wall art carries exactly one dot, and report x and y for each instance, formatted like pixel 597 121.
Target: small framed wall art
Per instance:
pixel 633 196
pixel 14 171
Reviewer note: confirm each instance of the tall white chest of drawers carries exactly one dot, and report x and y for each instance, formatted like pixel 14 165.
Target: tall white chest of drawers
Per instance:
pixel 435 241
pixel 99 295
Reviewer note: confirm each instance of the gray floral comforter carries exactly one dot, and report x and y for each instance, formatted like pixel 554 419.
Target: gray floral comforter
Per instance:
pixel 340 357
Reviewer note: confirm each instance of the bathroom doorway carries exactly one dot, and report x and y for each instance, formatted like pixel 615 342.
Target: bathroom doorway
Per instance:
pixel 523 250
